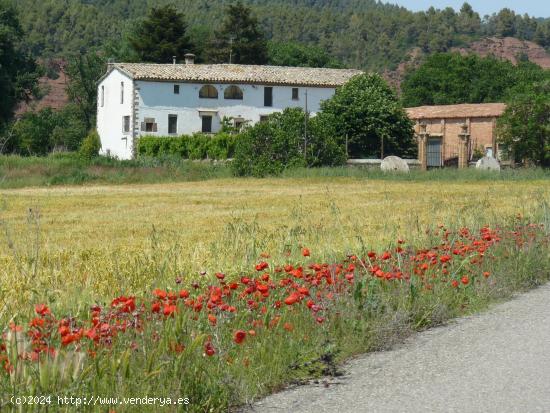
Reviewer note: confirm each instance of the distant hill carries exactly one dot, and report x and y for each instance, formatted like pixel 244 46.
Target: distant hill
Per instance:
pixel 363 34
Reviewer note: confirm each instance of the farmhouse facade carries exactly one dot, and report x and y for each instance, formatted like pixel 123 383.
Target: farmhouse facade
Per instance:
pixel 137 99
pixel 450 134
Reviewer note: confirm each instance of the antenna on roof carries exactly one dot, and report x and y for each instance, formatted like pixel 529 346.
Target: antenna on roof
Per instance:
pixel 231 40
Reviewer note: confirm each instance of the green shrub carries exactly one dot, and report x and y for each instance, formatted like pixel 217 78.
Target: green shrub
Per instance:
pixel 196 146
pixel 90 146
pixel 270 147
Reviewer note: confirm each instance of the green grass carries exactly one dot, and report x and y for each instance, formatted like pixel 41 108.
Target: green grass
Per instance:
pixel 69 169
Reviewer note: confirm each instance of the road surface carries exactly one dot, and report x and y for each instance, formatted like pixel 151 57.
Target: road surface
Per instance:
pixel 497 361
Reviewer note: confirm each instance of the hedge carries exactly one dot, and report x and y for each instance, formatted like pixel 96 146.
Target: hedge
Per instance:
pixel 197 146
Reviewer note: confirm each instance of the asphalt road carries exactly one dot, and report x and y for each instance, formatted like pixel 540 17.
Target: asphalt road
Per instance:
pixel 497 361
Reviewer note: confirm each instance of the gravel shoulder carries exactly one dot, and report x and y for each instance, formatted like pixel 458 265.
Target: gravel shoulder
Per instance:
pixel 496 361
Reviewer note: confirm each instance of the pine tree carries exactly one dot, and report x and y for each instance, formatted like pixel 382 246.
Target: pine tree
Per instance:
pixel 161 36
pixel 240 39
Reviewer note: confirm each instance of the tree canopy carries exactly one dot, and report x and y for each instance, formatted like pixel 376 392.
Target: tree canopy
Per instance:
pixel 300 55
pixel 161 36
pixel 524 127
pixel 450 78
pixel 367 114
pixel 18 71
pixel 240 39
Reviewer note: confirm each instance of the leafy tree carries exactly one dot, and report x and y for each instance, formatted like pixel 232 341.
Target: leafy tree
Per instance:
pixel 281 142
pixel 90 146
pixel 240 39
pixel 19 73
pixel 33 131
pixel 83 72
pixel 525 125
pixel 161 36
pixel 367 112
pixel 450 78
pixel 300 55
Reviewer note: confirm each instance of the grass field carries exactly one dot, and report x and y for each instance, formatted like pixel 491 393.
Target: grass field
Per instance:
pixel 133 237
pixel 70 246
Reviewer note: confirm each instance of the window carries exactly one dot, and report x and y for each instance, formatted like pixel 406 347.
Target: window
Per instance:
pixel 172 124
pixel 268 96
pixel 149 125
pixel 102 96
pixel 126 124
pixel 264 118
pixel 295 93
pixel 121 93
pixel 207 124
pixel 208 92
pixel 233 92
pixel 176 89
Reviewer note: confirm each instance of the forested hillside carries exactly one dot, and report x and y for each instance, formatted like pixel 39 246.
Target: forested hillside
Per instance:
pixel 359 33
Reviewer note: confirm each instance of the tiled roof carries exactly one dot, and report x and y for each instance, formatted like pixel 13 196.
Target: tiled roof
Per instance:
pixel 465 110
pixel 230 73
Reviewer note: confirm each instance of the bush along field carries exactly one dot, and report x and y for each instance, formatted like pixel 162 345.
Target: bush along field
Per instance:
pixel 223 339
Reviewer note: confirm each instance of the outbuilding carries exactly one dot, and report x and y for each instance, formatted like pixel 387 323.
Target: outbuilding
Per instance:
pixel 446 130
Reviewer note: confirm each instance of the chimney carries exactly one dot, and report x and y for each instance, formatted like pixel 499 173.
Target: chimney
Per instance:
pixel 174 60
pixel 110 64
pixel 189 59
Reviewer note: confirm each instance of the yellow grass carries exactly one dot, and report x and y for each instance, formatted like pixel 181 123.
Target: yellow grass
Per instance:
pixel 102 240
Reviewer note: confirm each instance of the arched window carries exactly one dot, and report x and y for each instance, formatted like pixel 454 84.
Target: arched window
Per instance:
pixel 208 92
pixel 233 92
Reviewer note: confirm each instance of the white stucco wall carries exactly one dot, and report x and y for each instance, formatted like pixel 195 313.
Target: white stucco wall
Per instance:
pixel 157 100
pixel 110 115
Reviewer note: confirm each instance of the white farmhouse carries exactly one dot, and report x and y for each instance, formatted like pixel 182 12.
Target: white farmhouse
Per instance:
pixel 136 99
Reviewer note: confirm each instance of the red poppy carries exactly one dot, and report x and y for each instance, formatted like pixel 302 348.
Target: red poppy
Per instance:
pixel 209 349
pixel 386 256
pixel 262 266
pixel 155 307
pixel 486 274
pixel 292 299
pixel 445 258
pixel 239 336
pixel 454 283
pixel 159 293
pixel 465 280
pixel 212 319
pixel 42 309
pixel 169 310
pixel 305 252
pixel 288 326
pixel 220 275
pixel 184 294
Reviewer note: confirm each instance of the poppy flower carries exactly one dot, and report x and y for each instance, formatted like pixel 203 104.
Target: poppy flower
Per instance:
pixel 288 326
pixel 305 252
pixel 292 299
pixel 155 307
pixel 169 310
pixel 239 336
pixel 184 294
pixel 486 274
pixel 42 310
pixel 212 319
pixel 445 258
pixel 161 294
pixel 386 256
pixel 465 280
pixel 262 266
pixel 220 275
pixel 454 283
pixel 209 349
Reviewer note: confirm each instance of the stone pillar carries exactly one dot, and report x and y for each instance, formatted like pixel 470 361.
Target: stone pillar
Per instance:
pixel 422 140
pixel 463 144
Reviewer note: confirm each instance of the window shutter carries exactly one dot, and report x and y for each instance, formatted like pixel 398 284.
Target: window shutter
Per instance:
pixel 143 126
pixel 154 127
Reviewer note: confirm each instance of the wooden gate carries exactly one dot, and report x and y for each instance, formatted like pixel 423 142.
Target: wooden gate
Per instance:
pixel 433 153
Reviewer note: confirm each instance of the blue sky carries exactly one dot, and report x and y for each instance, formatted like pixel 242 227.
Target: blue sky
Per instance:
pixel 537 8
